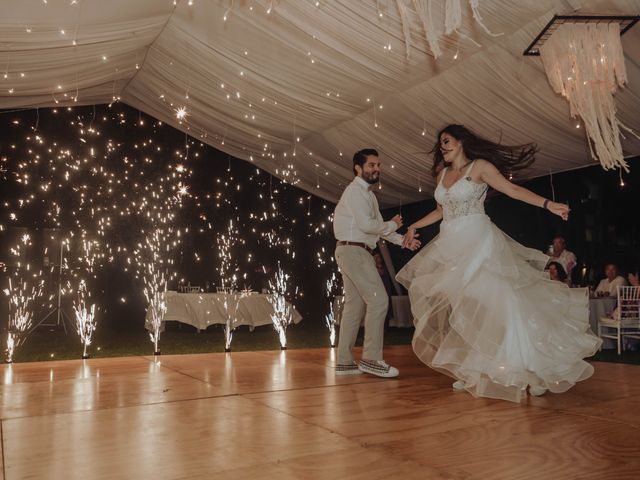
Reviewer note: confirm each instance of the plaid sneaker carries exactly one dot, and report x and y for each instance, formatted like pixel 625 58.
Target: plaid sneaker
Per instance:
pixel 378 368
pixel 347 369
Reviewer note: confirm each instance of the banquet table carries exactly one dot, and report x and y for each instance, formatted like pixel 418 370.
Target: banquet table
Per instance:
pixel 601 307
pixel 204 309
pixel 400 311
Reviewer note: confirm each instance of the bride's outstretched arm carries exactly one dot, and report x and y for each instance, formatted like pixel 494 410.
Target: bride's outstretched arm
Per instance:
pixel 490 175
pixel 432 217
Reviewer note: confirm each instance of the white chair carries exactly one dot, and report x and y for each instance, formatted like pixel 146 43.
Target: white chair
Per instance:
pixel 626 318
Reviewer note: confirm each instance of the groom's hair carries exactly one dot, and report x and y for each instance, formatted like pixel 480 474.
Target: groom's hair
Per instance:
pixel 360 157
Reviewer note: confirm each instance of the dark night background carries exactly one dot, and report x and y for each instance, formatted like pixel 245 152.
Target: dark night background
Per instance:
pixel 604 225
pixel 221 188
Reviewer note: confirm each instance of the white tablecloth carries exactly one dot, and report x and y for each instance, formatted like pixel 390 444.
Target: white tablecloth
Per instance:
pixel 400 311
pixel 598 308
pixel 204 309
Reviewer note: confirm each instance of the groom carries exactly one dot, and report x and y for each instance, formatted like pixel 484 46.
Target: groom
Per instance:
pixel 357 225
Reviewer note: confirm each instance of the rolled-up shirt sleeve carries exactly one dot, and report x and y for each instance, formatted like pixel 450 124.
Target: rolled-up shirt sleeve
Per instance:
pixel 393 237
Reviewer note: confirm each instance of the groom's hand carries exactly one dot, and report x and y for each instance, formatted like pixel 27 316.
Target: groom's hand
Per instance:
pixel 409 238
pixel 398 220
pixel 413 244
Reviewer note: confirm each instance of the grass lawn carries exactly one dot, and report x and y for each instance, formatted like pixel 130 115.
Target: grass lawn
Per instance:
pixel 55 344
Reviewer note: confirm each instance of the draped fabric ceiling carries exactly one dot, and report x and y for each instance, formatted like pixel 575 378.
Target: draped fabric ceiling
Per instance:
pixel 264 79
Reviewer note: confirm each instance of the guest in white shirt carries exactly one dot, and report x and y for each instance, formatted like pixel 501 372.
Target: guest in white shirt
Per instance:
pixel 358 225
pixel 560 254
pixel 608 286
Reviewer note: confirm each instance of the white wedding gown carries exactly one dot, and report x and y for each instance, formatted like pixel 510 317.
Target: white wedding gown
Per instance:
pixel 485 311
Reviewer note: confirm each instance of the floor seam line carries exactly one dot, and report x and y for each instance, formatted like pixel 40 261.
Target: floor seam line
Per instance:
pixel 4 460
pixel 354 440
pixel 206 397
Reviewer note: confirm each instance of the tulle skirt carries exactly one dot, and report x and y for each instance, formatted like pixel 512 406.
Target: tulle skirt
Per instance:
pixel 486 313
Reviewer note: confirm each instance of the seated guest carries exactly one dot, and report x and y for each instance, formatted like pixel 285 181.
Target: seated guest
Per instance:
pixel 633 280
pixel 608 286
pixel 561 255
pixel 556 272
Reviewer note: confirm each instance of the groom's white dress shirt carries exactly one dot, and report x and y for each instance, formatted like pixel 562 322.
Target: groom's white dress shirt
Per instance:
pixel 357 217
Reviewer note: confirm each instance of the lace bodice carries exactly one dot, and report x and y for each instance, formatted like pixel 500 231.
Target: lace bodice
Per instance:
pixel 464 197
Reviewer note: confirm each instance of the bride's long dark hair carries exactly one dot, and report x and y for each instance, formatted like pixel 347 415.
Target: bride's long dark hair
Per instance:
pixel 506 158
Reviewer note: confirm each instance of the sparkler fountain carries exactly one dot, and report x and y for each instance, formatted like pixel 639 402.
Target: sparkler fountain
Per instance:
pixel 150 256
pixel 228 280
pixel 330 319
pixel 83 309
pixel 282 315
pixel 85 317
pixel 22 296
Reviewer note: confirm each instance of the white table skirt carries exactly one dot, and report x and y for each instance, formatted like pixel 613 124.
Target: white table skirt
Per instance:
pixel 400 311
pixel 204 309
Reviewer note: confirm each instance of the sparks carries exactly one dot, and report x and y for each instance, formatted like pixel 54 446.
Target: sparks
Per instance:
pixel 181 113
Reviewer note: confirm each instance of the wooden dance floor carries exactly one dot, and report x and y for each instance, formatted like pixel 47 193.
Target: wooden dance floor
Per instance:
pixel 284 415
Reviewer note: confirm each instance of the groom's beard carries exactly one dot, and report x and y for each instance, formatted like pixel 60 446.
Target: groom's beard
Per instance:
pixel 370 178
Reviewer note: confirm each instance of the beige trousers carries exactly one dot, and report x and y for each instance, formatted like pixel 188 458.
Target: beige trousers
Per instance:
pixel 363 292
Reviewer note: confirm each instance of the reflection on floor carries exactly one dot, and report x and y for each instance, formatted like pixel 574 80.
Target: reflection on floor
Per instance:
pixel 284 415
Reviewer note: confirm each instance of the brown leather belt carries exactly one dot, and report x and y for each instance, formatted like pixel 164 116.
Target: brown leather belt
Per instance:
pixel 356 244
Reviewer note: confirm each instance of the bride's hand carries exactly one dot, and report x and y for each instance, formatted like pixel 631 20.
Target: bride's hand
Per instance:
pixel 408 237
pixel 559 209
pixel 413 244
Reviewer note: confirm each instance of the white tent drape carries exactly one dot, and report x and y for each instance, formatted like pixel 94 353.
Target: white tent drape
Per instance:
pixel 309 77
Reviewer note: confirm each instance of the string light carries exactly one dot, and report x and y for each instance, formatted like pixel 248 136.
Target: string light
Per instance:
pixel 181 113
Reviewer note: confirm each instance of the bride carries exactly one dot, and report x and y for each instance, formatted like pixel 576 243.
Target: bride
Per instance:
pixel 486 313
